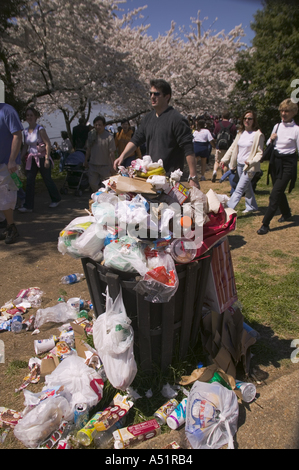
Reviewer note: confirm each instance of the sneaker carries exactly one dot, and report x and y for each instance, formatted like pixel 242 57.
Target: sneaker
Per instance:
pixel 214 177
pixel 203 178
pixel 248 211
pixel 54 204
pixel 24 209
pixel 11 235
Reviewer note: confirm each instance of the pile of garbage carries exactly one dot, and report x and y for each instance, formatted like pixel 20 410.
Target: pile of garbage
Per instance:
pixel 140 222
pixel 144 222
pixel 62 415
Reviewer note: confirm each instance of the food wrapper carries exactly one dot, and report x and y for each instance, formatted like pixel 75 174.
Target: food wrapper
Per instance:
pixel 9 418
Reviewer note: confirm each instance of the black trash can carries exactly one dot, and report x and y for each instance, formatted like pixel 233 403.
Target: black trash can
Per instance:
pixel 158 328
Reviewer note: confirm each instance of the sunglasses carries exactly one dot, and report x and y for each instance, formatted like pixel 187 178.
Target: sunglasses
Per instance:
pixel 155 93
pixel 248 119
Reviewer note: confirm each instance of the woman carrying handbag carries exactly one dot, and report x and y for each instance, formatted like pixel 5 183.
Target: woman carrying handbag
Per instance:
pixel 244 155
pixel 37 146
pixel 283 164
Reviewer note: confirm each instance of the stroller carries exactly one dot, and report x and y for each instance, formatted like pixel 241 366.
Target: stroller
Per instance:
pixel 77 175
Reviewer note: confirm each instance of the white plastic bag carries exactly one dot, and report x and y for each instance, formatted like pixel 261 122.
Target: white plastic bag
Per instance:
pixel 83 382
pixel 113 337
pixel 211 416
pixel 42 421
pixel 59 313
pixel 91 243
pixel 70 233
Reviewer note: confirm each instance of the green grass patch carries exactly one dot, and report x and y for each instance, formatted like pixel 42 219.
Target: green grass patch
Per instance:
pixel 15 366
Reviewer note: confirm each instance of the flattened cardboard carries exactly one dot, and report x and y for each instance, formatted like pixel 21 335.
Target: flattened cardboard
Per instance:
pixel 48 365
pixel 123 184
pixel 226 340
pixel 80 334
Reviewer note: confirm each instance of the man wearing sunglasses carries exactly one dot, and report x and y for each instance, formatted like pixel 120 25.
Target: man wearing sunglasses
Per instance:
pixel 166 133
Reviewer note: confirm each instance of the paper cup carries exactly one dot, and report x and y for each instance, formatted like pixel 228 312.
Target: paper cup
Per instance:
pixel 43 345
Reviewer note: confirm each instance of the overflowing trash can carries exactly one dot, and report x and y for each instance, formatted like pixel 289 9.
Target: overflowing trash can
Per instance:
pixel 151 239
pixel 159 328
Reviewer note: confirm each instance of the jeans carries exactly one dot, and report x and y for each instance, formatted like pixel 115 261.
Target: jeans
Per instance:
pixel 30 186
pixel 243 186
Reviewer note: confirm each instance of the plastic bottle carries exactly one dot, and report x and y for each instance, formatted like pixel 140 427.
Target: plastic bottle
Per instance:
pixel 105 439
pixel 72 278
pixel 248 390
pixel 16 180
pixel 217 378
pixel 84 436
pixel 16 323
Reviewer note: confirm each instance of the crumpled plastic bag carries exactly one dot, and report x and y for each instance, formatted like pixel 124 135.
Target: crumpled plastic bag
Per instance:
pixel 113 337
pixel 211 416
pixel 83 382
pixel 125 254
pixel 42 421
pixel 91 243
pixel 133 212
pixel 71 233
pixel 161 281
pixel 60 313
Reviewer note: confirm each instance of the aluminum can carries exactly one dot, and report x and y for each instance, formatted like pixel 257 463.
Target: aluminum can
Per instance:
pixel 164 411
pixel 81 415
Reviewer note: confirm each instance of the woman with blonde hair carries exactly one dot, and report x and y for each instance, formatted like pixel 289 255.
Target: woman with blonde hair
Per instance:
pixel 244 155
pixel 283 164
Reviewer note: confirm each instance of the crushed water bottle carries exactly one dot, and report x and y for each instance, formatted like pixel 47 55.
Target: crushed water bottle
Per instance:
pixel 16 323
pixel 105 439
pixel 72 278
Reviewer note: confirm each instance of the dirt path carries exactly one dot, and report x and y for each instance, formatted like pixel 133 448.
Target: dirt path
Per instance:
pixel 34 261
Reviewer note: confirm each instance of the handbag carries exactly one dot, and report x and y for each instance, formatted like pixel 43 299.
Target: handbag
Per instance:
pixel 41 147
pixel 269 150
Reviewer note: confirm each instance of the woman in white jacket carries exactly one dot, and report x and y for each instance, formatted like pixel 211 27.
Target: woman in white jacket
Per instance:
pixel 245 154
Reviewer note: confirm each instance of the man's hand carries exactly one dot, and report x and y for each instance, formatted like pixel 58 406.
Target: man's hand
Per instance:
pixel 117 163
pixel 12 167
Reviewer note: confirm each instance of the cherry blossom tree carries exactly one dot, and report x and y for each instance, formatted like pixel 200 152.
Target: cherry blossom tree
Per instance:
pixel 199 67
pixel 72 54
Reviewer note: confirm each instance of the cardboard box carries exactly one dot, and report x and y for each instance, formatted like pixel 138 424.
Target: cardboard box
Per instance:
pixel 221 290
pixel 179 192
pixel 135 434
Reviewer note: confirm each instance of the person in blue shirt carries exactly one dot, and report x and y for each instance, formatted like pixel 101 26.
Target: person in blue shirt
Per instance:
pixel 11 141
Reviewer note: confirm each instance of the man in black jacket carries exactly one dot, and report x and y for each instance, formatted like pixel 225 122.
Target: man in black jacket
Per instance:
pixel 167 134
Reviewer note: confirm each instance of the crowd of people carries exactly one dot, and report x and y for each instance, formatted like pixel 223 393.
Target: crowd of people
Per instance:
pixel 164 134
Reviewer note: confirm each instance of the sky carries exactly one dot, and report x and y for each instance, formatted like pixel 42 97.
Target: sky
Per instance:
pixel 230 13
pixel 160 13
